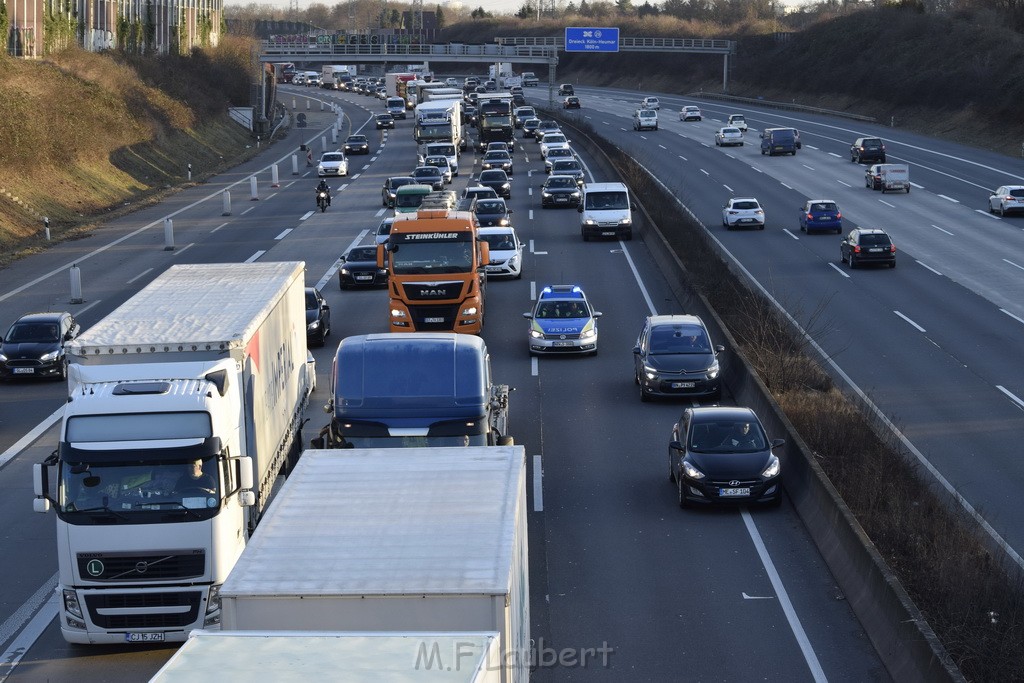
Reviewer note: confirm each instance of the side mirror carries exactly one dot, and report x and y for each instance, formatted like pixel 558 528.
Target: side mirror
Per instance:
pixel 719 349
pixel 675 445
pixel 596 314
pixel 636 349
pixel 579 209
pixel 528 316
pixel 325 307
pixel 778 442
pixel 245 474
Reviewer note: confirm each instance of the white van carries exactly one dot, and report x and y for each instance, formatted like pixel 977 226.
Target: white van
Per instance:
pixel 605 211
pixel 645 119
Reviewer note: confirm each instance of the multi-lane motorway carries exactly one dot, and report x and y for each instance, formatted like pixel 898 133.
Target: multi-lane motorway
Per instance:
pixel 624 585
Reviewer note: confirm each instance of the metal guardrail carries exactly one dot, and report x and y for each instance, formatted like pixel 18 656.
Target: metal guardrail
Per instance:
pixel 781 105
pixel 627 44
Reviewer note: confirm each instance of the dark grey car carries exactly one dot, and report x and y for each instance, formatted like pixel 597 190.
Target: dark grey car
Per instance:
pixel 674 356
pixel 34 345
pixel 318 317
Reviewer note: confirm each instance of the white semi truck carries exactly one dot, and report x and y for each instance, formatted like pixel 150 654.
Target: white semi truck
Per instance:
pixel 393 540
pixel 337 76
pixel 184 404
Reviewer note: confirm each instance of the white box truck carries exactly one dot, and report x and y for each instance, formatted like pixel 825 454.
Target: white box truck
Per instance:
pixel 301 657
pixel 337 76
pixel 397 540
pixel 184 404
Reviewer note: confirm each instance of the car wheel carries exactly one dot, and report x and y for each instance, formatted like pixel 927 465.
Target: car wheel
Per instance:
pixel 62 374
pixel 671 468
pixel 892 264
pixel 644 398
pixel 680 488
pixel 842 256
pixel 761 227
pixel 851 261
pixel 586 237
pixel 1002 211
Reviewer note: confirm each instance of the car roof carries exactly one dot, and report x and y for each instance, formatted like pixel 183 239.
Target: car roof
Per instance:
pixel 713 413
pixel 742 199
pixel 507 230
pixel 50 317
pixel 562 292
pixel 679 319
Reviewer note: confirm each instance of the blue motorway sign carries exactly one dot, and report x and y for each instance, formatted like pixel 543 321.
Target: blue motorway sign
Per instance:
pixel 591 39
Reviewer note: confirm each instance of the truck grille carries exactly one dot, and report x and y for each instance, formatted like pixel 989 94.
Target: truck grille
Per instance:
pixel 442 318
pixel 425 292
pixel 185 608
pixel 134 567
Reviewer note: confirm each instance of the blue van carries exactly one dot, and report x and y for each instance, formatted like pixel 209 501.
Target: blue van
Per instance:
pixel 778 141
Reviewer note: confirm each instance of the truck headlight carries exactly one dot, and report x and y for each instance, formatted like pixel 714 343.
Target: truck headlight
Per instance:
pixel 213 605
pixel 469 310
pixel 397 313
pixel 71 603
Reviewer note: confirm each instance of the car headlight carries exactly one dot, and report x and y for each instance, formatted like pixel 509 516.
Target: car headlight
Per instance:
pixel 514 260
pixel 545 194
pixel 650 373
pixel 536 334
pixel 713 370
pixel 503 222
pixel 52 355
pixel 588 333
pixel 627 221
pixel 313 325
pixel 590 221
pixel 345 271
pixel 319 169
pixel 3 358
pixel 469 310
pixel 774 466
pixel 691 471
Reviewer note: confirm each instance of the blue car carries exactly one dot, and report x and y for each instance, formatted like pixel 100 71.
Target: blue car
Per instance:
pixel 563 322
pixel 821 215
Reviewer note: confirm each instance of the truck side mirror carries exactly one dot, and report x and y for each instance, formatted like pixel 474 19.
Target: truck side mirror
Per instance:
pixel 245 474
pixel 40 487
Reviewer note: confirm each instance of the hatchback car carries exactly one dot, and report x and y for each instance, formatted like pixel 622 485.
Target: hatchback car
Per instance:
pixel 521 114
pixel 569 167
pixel 560 190
pixel 723 455
pixel 530 127
pixel 359 268
pixel 318 318
pixel 571 102
pixel 34 345
pixel 506 252
pixel 743 212
pixel 332 164
pixel 727 136
pixel 737 121
pixel 867 149
pixel 380 235
pixel 551 141
pixel 821 214
pixel 383 121
pixel 674 356
pixel 502 160
pixel 492 212
pixel 650 103
pixel 391 185
pixel 690 113
pixel 497 180
pixel 562 321
pixel 867 245
pixel 1007 199
pixel 429 175
pixel 566 89
pixel 442 162
pixel 356 144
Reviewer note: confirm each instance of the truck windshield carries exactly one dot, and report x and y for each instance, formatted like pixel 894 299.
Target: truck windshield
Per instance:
pixel 414 441
pixel 419 258
pixel 121 489
pixel 496 121
pixel 435 131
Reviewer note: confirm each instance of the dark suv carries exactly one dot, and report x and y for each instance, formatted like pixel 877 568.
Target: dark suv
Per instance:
pixel 867 245
pixel 34 346
pixel 867 149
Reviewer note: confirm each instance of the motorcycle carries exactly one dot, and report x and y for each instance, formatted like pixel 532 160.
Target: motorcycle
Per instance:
pixel 321 201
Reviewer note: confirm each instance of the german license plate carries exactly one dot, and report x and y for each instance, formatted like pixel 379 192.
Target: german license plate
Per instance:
pixel 683 385
pixel 824 218
pixel 734 493
pixel 144 637
pixel 433 320
pixel 746 220
pixel 561 199
pixel 562 343
pixel 875 251
pixel 23 371
pixel 364 277
pixel 607 233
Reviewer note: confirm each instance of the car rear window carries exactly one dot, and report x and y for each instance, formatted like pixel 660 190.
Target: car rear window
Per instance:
pixel 747 206
pixel 1019 192
pixel 874 240
pixel 823 206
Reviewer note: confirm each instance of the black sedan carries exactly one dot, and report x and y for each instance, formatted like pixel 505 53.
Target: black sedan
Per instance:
pixel 674 356
pixel 492 213
pixel 318 318
pixel 722 455
pixel 391 185
pixel 359 269
pixel 498 181
pixel 384 121
pixel 429 175
pixel 356 144
pixel 497 159
pixel 569 167
pixel 559 190
pixel 34 346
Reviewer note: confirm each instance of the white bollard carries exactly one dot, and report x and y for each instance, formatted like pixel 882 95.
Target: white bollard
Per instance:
pixel 307 104
pixel 76 284
pixel 321 105
pixel 334 136
pixel 274 181
pixel 168 234
pixel 226 195
pixel 323 142
pixel 252 189
pixel 295 164
pixel 293 103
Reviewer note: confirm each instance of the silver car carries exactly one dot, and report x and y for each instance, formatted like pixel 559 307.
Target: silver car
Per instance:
pixel 727 136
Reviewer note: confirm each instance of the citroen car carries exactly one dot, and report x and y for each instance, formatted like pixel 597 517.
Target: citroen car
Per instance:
pixel 562 321
pixel 674 357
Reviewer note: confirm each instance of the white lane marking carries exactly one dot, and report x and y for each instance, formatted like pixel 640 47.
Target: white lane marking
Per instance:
pixel 784 601
pixel 640 283
pixel 787 231
pixel 839 270
pixel 683 158
pixel 927 267
pixel 530 214
pixel 1011 396
pixel 986 213
pixel 307 215
pixel 663 146
pixel 729 188
pixel 382 211
pixel 255 256
pixel 756 597
pixel 705 172
pixel 28 636
pixel 833 154
pixel 529 193
pixel 540 253
pixel 531 246
pixel 730 155
pixel 786 186
pixel 534 367
pixel 25 441
pixel 83 309
pixel 1013 264
pixel 842 183
pixel 949 199
pixel 538 485
pixel 184 248
pixel 893 206
pixel 941 229
pixel 147 270
pixel 283 234
pixel 344 186
pixel 353 178
pixel 912 323
pixel 643 137
pixel 1017 318
pixel 811 147
pixel 247 210
pixel 218 228
pixel 920 187
pixel 533 288
pixel 809 168
pixel 24 613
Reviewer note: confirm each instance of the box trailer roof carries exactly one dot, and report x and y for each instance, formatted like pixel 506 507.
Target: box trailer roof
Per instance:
pixel 387 522
pixel 194 304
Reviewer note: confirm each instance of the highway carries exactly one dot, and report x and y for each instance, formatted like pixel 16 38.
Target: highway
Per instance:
pixel 625 586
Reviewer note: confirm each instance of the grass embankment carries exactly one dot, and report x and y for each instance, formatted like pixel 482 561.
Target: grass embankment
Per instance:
pixel 86 136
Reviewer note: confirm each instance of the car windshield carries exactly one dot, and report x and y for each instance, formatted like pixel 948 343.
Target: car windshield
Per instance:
pixel 357 138
pixel 436 161
pixel 363 253
pixel 419 258
pixel 33 333
pixel 607 200
pixel 490 206
pixel 497 156
pixel 559 152
pixel 501 242
pixel 669 339
pixel 493 176
pixel 745 206
pixel 727 436
pixel 562 309
pixel 553 139
pixel 1017 193
pixel 562 182
pixel 730 131
pixel 736 119
pixel 332 156
pixel 408 201
pixel 874 144
pixel 565 166
pixel 426 172
pixel 311 302
pixel 874 240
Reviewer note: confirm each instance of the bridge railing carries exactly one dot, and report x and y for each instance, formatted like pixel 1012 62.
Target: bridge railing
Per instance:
pixel 435 51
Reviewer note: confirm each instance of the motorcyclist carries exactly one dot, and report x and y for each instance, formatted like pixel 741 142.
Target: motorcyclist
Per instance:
pixel 323 187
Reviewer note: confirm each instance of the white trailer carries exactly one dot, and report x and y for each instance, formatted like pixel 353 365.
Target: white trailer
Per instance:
pixel 333 75
pixel 440 121
pixel 301 657
pixel 184 405
pixel 397 540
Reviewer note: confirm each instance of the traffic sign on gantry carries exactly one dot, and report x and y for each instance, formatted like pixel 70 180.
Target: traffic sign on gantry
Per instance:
pixel 591 39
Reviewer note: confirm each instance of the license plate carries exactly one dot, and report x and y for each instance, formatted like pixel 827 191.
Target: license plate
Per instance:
pixel 433 320
pixel 734 493
pixel 562 199
pixel 608 233
pixel 875 251
pixel 144 637
pixel 746 220
pixel 364 277
pixel 824 218
pixel 562 343
pixel 23 371
pixel 683 385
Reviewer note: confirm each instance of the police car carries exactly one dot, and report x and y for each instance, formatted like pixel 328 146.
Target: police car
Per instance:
pixel 563 322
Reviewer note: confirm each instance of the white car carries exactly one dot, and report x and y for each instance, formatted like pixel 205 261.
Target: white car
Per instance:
pixel 689 113
pixel 738 121
pixel 506 252
pixel 1007 199
pixel 441 161
pixel 645 119
pixel 727 136
pixel 552 141
pixel 743 212
pixel 650 103
pixel 383 230
pixel 332 163
pixel 451 82
pixel 556 154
